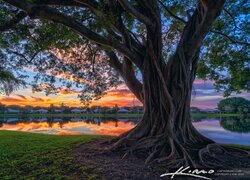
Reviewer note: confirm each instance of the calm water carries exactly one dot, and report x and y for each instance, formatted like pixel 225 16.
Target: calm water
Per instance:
pixel 234 130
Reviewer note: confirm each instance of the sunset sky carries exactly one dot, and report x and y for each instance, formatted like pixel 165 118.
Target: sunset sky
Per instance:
pixel 72 128
pixel 204 97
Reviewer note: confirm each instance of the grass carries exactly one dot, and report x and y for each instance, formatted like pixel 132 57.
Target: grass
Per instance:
pixel 213 115
pixel 108 115
pixel 39 156
pixel 237 146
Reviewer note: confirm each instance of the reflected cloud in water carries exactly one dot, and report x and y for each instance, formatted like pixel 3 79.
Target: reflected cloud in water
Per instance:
pixel 71 126
pixel 226 130
pixel 234 130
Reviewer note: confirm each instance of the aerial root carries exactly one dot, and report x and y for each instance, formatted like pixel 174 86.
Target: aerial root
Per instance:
pixel 241 153
pixel 208 158
pixel 157 149
pixel 215 155
pixel 172 153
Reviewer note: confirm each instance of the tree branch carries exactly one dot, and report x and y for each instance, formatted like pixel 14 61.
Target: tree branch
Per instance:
pixel 171 13
pixel 231 17
pixel 230 38
pixel 114 62
pixel 204 16
pixel 24 57
pixel 10 24
pixel 78 3
pixel 213 31
pixel 89 3
pixel 44 12
pixel 126 71
pixel 131 10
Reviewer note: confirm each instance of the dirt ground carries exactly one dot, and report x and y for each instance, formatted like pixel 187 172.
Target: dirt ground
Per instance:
pixel 112 165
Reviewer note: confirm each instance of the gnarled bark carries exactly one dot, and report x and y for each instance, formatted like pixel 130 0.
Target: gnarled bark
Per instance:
pixel 165 133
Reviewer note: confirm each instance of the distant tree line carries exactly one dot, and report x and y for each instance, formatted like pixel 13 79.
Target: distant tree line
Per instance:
pixel 237 105
pixel 67 109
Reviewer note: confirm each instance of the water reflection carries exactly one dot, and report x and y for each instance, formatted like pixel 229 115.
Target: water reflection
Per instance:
pixel 67 125
pixel 213 129
pixel 236 124
pixel 234 130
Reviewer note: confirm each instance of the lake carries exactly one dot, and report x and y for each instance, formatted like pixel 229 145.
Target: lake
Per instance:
pixel 226 130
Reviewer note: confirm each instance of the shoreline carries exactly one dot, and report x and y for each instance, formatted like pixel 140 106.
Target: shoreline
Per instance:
pixel 109 115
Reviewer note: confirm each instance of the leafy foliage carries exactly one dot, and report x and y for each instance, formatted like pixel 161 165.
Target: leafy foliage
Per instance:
pixel 225 61
pixel 234 105
pixel 8 83
pixel 53 50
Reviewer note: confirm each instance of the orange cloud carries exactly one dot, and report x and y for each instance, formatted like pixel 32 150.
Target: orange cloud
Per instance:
pixel 22 100
pixel 37 99
pixel 120 96
pixel 72 128
pixel 67 92
pixel 21 96
pixel 125 93
pixel 12 100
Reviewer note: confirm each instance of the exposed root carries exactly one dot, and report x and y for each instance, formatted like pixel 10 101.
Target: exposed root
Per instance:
pixel 238 152
pixel 174 147
pixel 215 155
pixel 156 149
pixel 172 153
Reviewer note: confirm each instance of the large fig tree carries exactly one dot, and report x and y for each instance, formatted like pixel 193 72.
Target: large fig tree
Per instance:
pixel 158 48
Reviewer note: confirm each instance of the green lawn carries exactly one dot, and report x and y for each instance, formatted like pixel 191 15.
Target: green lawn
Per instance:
pixel 109 115
pixel 38 156
pixel 213 115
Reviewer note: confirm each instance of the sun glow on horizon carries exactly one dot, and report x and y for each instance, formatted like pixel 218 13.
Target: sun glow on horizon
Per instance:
pixel 120 96
pixel 205 97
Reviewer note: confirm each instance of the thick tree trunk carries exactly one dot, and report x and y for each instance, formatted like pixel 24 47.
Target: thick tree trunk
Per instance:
pixel 165 133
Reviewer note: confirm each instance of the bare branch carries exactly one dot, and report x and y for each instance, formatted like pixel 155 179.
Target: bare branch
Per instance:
pixel 230 38
pixel 78 3
pixel 171 13
pixel 24 57
pixel 125 4
pixel 231 17
pixel 89 3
